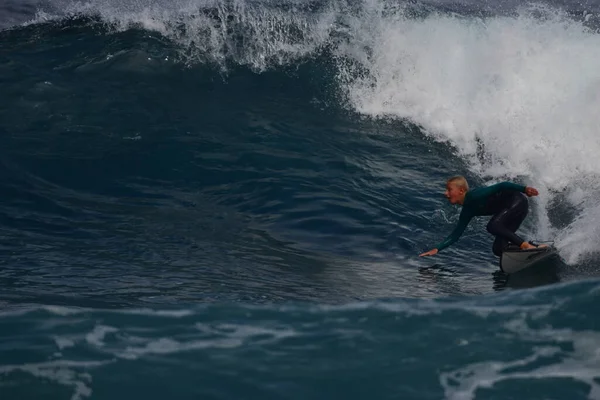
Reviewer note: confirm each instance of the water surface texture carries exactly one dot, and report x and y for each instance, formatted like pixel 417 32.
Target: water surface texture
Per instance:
pixel 227 199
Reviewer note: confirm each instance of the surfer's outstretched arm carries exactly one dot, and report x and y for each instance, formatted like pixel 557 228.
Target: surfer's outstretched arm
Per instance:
pixel 463 221
pixel 485 192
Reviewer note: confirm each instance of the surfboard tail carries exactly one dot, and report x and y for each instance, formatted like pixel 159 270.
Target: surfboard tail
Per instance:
pixel 514 259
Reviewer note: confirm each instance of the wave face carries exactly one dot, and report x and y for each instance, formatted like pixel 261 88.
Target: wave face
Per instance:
pixel 232 195
pixel 291 133
pixel 512 87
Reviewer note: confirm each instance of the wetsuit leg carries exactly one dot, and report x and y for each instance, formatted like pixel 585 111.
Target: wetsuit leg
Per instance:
pixel 505 223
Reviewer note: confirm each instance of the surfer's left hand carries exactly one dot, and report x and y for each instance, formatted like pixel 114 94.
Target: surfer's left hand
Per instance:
pixel 529 191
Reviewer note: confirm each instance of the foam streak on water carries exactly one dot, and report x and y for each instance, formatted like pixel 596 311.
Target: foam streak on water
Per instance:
pixel 460 349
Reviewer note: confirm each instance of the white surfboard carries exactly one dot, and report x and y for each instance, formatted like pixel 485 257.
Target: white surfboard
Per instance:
pixel 514 259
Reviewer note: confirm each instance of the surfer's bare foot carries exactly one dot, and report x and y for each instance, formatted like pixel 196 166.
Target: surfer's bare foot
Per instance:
pixel 527 246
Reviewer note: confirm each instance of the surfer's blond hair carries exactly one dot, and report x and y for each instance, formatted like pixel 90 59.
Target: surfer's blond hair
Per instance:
pixel 459 181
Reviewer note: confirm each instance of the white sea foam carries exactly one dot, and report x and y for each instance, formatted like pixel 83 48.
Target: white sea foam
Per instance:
pixel 257 34
pixel 96 337
pixel 63 372
pixel 525 89
pixel 581 364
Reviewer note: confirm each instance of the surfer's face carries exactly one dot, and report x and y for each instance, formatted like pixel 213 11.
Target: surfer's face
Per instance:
pixel 454 193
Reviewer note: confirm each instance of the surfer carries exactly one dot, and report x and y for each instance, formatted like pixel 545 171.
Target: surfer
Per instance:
pixel 504 201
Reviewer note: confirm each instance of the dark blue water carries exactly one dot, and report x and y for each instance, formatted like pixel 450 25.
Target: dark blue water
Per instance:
pixel 207 199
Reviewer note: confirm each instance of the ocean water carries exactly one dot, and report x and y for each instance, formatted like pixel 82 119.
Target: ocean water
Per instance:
pixel 226 199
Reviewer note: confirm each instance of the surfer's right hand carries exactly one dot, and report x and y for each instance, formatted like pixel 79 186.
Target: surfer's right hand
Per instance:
pixel 429 253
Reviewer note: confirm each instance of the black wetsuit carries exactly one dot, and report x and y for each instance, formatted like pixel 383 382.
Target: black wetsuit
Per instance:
pixel 507 204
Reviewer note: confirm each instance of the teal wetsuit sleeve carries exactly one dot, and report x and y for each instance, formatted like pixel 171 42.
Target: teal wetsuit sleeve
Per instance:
pixel 488 191
pixel 463 221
